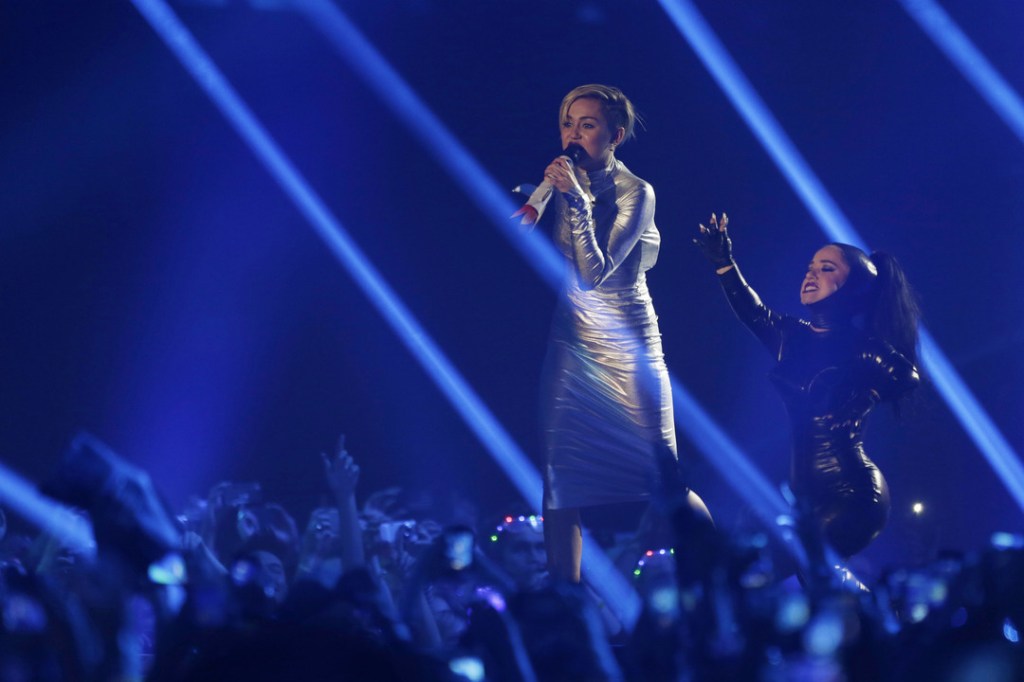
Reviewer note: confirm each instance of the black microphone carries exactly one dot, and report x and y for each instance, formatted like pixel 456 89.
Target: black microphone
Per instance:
pixel 534 207
pixel 574 152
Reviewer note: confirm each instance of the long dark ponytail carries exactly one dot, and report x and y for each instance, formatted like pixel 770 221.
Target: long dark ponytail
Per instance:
pixel 893 313
pixel 877 288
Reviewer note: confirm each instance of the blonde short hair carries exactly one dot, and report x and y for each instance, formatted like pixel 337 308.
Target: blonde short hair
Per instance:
pixel 614 104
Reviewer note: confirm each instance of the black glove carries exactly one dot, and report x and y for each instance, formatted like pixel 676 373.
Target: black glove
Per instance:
pixel 714 242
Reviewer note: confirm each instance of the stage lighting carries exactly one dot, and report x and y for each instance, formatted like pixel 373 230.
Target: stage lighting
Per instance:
pixel 127 513
pixel 1010 631
pixel 1002 540
pixel 618 594
pixel 469 668
pixel 978 71
pixel 836 226
pixel 492 199
pixel 70 528
pixel 691 418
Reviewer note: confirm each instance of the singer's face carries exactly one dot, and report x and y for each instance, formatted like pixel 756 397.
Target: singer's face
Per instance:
pixel 586 125
pixel 826 273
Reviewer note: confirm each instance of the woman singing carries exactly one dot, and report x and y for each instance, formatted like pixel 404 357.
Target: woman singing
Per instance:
pixel 608 406
pixel 857 349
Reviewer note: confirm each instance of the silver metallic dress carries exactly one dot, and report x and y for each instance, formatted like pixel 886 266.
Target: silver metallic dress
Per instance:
pixel 607 404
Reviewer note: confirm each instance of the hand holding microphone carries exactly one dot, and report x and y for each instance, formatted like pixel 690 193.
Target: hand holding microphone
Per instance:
pixel 558 175
pixel 561 175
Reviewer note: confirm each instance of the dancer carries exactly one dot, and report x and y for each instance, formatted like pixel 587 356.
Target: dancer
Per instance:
pixel 857 349
pixel 607 402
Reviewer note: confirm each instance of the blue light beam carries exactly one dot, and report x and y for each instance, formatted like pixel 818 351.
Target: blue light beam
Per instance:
pixel 389 85
pixel 68 528
pixel 978 71
pixel 493 201
pixel 759 118
pixel 737 470
pixel 334 235
pixel 620 597
pixel 981 429
pixel 710 438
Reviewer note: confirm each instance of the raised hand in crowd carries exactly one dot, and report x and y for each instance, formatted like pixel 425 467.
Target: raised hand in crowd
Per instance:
pixel 342 475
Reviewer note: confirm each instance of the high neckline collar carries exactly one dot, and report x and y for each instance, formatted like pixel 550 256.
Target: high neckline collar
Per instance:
pixel 825 319
pixel 599 179
pixel 606 170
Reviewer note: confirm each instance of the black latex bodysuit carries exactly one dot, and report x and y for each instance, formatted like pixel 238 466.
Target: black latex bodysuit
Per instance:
pixel 829 382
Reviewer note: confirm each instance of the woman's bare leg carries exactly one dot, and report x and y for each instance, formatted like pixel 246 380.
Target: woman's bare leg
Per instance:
pixel 563 539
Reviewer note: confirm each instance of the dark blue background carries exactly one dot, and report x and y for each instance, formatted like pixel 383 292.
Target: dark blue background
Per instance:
pixel 158 288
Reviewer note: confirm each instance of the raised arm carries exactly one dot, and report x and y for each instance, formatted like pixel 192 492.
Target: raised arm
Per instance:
pixel 342 474
pixel 716 245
